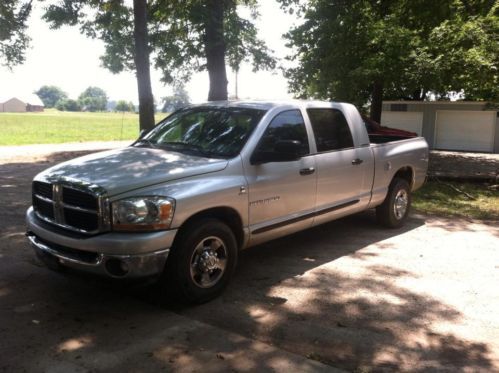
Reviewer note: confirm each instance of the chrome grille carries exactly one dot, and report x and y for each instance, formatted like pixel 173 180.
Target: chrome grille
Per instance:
pixel 43 207
pixel 68 206
pixel 42 189
pixel 75 197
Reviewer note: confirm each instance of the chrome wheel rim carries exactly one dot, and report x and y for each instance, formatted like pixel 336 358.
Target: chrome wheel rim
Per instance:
pixel 208 262
pixel 400 204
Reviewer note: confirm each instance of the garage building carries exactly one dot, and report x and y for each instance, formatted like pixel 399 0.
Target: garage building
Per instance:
pixel 447 125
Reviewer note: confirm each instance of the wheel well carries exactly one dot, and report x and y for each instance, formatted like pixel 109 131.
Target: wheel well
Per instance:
pixel 405 173
pixel 225 214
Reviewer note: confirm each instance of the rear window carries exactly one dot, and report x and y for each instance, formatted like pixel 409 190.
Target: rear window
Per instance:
pixel 331 130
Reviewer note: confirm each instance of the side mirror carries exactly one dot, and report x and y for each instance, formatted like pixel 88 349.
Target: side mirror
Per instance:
pixel 142 133
pixel 284 151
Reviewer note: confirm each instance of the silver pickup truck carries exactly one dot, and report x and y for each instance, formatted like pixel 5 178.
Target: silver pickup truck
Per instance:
pixel 210 180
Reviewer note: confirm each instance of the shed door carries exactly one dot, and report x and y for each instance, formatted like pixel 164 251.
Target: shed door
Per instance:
pixel 403 120
pixel 465 130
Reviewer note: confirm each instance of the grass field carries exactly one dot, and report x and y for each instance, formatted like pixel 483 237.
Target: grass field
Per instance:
pixel 437 198
pixel 52 126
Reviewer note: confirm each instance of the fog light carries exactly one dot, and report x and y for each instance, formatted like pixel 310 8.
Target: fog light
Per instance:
pixel 117 267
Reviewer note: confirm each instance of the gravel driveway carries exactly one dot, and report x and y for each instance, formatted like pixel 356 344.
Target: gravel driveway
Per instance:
pixel 347 294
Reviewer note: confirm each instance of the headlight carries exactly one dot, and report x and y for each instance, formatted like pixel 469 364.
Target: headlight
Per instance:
pixel 143 213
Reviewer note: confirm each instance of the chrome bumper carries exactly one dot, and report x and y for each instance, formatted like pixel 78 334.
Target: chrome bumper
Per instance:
pixel 116 255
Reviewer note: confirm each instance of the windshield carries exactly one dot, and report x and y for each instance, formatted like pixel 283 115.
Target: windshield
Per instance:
pixel 205 131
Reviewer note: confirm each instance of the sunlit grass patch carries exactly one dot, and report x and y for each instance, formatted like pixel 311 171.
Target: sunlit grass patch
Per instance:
pixel 54 126
pixel 442 198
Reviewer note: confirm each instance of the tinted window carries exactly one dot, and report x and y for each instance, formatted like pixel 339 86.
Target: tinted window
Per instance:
pixel 206 131
pixel 331 129
pixel 288 125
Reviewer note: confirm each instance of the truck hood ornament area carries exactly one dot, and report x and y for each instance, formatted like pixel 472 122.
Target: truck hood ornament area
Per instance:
pixel 121 170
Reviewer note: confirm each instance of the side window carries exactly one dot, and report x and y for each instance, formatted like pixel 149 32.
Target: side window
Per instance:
pixel 331 129
pixel 288 125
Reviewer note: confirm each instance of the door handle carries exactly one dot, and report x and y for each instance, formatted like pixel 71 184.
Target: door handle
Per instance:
pixel 357 161
pixel 307 171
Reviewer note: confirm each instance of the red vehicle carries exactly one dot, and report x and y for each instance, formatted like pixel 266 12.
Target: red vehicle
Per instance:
pixel 376 129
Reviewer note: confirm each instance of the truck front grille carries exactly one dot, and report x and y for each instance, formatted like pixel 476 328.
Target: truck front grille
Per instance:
pixel 82 220
pixel 81 199
pixel 42 189
pixel 68 207
pixel 43 207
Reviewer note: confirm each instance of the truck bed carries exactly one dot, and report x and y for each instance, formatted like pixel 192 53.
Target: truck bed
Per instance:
pixel 381 139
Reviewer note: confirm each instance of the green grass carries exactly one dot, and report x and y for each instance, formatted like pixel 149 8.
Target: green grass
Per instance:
pixel 52 126
pixel 437 198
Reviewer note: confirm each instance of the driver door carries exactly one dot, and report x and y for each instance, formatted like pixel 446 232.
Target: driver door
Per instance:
pixel 281 193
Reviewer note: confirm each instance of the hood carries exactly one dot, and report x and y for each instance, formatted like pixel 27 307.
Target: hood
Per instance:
pixel 122 170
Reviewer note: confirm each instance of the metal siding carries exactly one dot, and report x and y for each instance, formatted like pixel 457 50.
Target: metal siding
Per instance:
pixel 404 120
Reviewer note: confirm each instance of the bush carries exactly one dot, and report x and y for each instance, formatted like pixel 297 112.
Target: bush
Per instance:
pixel 122 105
pixel 93 99
pixel 68 104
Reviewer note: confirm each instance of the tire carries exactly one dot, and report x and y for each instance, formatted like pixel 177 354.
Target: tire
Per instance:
pixel 202 261
pixel 393 212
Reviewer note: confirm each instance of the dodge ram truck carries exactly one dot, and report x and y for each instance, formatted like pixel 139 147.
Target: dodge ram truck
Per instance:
pixel 210 180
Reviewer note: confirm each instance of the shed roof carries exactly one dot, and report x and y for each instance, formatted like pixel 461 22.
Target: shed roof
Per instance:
pixel 29 98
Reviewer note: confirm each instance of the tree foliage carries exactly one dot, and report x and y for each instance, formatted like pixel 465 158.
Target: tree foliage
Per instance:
pixel 198 35
pixel 13 24
pixel 124 106
pixel 50 95
pixel 178 100
pixel 185 36
pixel 124 31
pixel 465 51
pixel 93 99
pixel 363 50
pixel 67 104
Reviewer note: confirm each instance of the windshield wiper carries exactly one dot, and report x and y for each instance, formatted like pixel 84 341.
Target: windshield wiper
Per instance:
pixel 180 145
pixel 146 142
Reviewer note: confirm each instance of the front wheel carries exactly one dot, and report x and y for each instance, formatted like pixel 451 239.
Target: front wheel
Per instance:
pixel 393 212
pixel 202 261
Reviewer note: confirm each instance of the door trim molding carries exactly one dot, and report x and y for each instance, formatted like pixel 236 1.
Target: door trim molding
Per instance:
pixel 304 217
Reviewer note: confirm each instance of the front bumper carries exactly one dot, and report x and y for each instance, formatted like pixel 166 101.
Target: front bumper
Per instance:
pixel 117 255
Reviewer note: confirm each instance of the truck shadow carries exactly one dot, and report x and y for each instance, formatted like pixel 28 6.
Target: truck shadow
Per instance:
pixel 290 293
pixel 287 293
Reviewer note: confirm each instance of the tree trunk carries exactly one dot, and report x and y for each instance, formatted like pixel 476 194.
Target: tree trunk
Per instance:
pixel 215 50
pixel 146 100
pixel 377 101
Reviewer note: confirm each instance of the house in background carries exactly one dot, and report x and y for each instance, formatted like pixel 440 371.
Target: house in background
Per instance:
pixel 21 104
pixel 447 125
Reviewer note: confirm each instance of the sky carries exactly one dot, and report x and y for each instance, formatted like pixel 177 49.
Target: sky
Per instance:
pixel 69 60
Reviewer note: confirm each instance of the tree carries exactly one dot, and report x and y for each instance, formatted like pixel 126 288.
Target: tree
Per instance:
pixel 362 51
pixel 123 106
pixel 93 99
pixel 197 35
pixel 50 95
pixel 13 39
pixel 67 104
pixel 178 100
pixel 124 32
pixel 468 60
pixel 184 36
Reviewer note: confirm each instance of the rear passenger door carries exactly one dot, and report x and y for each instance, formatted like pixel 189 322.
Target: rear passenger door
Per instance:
pixel 342 167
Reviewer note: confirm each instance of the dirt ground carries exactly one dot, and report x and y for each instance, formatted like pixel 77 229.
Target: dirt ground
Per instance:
pixel 465 166
pixel 348 295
